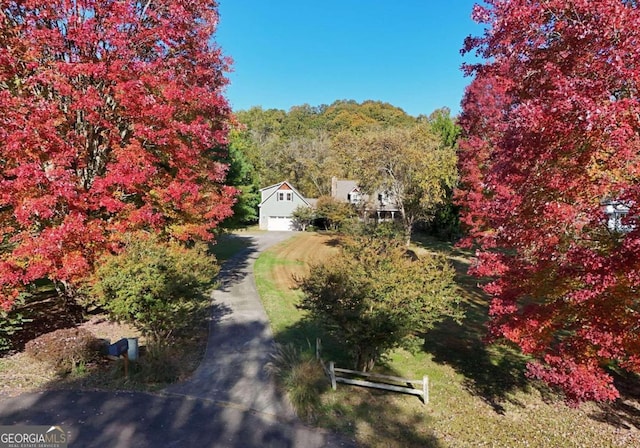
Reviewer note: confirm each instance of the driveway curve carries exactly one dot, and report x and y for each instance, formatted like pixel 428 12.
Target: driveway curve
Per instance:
pixel 228 402
pixel 240 339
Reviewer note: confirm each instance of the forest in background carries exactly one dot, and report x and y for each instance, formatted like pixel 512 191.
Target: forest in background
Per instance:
pixel 307 146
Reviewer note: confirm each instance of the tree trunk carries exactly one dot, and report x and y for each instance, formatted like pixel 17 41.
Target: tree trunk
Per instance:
pixel 407 224
pixel 365 358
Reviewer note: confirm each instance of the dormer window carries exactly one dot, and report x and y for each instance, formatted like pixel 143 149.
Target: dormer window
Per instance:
pixel 354 197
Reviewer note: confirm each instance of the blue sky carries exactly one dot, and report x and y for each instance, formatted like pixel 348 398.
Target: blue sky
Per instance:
pixel 292 52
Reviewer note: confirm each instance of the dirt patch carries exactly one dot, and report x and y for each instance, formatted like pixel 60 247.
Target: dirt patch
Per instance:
pixel 302 252
pixel 19 373
pixel 103 328
pixel 44 316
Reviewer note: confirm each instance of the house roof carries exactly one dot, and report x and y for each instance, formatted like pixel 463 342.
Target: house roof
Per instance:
pixel 344 187
pixel 284 185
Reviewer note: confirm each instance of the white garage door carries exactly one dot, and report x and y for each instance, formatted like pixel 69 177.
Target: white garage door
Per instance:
pixel 279 223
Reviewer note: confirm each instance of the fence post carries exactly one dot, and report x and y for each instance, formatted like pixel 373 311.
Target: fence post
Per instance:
pixel 318 348
pixel 425 389
pixel 332 374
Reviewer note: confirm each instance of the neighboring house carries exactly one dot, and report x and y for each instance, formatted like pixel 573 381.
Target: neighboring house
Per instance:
pixel 381 205
pixel 616 212
pixel 277 205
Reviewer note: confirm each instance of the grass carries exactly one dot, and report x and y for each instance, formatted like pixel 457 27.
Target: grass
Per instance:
pixel 479 394
pixel 280 304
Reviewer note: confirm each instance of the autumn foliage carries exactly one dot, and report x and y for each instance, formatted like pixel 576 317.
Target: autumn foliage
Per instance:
pixel 109 111
pixel 552 131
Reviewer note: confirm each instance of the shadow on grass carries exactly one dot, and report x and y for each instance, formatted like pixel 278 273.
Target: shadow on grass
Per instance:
pixel 303 335
pixel 492 372
pixel 624 413
pixel 333 242
pixel 376 420
pixel 351 407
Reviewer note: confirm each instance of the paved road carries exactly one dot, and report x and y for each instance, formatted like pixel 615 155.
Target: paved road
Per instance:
pixel 229 401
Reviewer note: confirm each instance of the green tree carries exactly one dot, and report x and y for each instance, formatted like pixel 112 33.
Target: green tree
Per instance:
pixel 444 125
pixel 334 214
pixel 155 286
pixel 303 216
pixel 374 296
pixel 242 175
pixel 445 223
pixel 261 135
pixel 409 163
pixel 295 145
pixel 359 117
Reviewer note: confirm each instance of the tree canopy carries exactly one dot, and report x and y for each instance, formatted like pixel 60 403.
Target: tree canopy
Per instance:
pixel 109 114
pixel 411 164
pixel 551 133
pixel 297 145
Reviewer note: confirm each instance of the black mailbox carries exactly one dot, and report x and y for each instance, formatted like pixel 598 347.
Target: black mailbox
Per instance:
pixel 119 348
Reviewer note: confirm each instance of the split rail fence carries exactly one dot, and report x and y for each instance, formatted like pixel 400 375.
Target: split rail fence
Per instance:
pixel 374 380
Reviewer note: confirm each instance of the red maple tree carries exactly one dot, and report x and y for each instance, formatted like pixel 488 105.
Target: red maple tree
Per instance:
pixel 109 111
pixel 552 133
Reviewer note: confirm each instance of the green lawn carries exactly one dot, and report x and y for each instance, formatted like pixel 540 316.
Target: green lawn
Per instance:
pixel 479 394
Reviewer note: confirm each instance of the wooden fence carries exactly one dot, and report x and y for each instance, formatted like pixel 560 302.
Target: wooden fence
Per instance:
pixel 374 380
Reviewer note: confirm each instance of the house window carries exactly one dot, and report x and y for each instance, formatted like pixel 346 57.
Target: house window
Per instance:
pixel 282 196
pixel 383 198
pixel 354 197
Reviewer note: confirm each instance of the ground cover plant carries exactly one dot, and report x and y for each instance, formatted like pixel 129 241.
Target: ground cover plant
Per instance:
pixel 479 394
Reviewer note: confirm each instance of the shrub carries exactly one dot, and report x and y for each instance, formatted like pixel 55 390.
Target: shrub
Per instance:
pixel 376 296
pixel 301 375
pixel 65 349
pixel 157 287
pixel 159 365
pixel 335 215
pixel 303 216
pixel 385 230
pixel 10 323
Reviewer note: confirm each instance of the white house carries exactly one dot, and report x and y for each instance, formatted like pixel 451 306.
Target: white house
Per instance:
pixel 381 205
pixel 277 205
pixel 616 212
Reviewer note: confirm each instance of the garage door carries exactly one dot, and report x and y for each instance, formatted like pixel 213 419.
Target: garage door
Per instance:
pixel 279 223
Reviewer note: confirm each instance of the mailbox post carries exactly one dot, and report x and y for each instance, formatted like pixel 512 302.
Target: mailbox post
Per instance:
pixel 121 348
